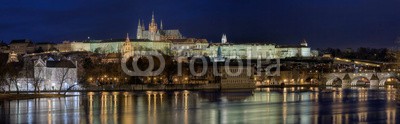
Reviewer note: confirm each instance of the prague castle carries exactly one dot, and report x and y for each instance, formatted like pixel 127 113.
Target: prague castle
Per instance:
pixel 171 42
pixel 154 33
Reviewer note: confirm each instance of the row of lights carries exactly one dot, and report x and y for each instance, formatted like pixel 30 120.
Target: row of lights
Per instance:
pixel 105 78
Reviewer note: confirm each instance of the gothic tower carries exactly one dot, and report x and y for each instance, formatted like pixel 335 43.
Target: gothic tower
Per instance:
pixel 223 39
pixel 12 57
pixel 161 26
pixel 127 50
pixel 153 25
pixel 304 43
pixel 139 31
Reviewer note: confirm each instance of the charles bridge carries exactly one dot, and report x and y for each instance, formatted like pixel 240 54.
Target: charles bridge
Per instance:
pixel 344 79
pixel 353 79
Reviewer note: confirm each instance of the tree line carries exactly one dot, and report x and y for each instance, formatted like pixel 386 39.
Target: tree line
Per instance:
pixel 363 53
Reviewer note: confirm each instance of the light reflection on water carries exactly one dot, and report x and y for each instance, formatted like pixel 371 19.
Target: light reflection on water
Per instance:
pixel 267 105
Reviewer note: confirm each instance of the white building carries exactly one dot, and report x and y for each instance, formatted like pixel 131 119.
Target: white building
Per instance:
pixel 188 47
pixel 51 73
pixel 258 51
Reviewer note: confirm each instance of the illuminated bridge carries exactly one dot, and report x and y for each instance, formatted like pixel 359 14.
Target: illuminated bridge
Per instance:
pixel 353 79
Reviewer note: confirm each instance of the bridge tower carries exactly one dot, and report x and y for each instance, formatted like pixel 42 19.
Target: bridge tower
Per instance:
pixel 374 81
pixel 346 81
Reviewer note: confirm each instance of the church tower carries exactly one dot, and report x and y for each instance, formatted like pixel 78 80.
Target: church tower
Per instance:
pixel 161 26
pixel 304 43
pixel 153 25
pixel 127 50
pixel 139 31
pixel 223 39
pixel 12 57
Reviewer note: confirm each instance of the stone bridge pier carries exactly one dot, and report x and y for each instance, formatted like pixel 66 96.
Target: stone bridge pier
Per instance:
pixel 360 79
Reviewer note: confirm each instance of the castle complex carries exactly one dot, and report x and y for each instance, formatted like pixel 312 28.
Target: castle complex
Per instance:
pixel 171 42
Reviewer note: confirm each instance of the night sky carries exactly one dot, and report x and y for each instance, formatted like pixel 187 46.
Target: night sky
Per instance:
pixel 324 23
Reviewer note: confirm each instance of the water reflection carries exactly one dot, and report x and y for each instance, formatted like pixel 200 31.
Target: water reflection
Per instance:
pixel 258 106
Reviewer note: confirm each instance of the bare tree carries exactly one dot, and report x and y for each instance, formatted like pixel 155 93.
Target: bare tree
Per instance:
pixel 38 79
pixel 3 69
pixel 12 79
pixel 7 81
pixel 12 74
pixel 27 71
pixel 3 78
pixel 62 76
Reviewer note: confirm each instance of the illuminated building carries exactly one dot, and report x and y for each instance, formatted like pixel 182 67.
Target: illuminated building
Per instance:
pixel 54 72
pixel 156 34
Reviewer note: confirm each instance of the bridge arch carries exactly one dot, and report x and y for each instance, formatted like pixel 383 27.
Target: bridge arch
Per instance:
pixel 355 81
pixel 389 79
pixel 335 81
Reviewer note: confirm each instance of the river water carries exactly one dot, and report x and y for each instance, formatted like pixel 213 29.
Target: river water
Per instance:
pixel 266 105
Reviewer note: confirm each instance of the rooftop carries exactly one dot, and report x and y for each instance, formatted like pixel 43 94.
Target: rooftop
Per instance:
pixel 60 64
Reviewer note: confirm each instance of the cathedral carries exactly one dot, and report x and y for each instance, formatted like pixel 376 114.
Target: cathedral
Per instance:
pixel 156 34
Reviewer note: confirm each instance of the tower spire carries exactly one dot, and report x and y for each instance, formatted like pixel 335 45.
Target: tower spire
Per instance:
pixel 139 31
pixel 224 39
pixel 304 43
pixel 152 17
pixel 127 50
pixel 153 24
pixel 139 25
pixel 127 37
pixel 161 25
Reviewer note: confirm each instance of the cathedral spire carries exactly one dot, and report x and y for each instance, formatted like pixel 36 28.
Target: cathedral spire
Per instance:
pixel 139 31
pixel 304 43
pixel 127 38
pixel 153 24
pixel 139 25
pixel 127 50
pixel 152 17
pixel 161 26
pixel 224 39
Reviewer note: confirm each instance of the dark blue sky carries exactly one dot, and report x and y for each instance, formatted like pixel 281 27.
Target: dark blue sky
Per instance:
pixel 324 23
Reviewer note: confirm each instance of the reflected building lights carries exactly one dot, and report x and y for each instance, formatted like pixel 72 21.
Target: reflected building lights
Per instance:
pixel 391 116
pixel 115 113
pixel 185 97
pixel 155 108
pixel 49 115
pixel 148 106
pixel 344 106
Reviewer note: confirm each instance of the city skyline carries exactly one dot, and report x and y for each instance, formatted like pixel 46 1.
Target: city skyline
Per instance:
pixel 158 61
pixel 323 23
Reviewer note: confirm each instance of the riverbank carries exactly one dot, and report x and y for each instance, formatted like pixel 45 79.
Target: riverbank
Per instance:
pixel 163 87
pixel 8 97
